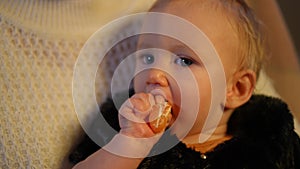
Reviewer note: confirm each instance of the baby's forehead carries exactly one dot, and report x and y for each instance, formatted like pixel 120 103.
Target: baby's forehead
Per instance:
pixel 213 22
pixel 186 5
pixel 157 40
pixel 211 16
pixel 147 41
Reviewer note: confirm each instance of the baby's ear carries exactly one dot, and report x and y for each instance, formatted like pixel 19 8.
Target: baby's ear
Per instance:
pixel 240 88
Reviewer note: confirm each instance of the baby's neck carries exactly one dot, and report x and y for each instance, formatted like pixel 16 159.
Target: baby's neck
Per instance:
pixel 219 136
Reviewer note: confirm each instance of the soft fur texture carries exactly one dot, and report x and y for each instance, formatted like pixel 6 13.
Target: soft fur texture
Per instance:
pixel 263 138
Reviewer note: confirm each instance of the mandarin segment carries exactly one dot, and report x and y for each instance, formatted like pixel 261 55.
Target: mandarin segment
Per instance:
pixel 159 124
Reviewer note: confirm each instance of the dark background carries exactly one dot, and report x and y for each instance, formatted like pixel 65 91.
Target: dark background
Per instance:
pixel 291 12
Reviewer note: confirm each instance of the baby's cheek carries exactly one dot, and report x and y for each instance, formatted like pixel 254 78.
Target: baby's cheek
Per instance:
pixel 138 84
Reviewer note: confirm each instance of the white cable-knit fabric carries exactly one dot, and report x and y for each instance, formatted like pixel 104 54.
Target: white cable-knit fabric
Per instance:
pixel 39 44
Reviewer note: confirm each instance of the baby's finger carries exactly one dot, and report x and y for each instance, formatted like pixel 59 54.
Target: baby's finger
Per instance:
pixel 142 105
pixel 137 108
pixel 142 102
pixel 126 112
pixel 159 99
pixel 159 96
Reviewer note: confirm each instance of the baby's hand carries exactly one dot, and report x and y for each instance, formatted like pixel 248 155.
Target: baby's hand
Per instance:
pixel 135 114
pixel 137 136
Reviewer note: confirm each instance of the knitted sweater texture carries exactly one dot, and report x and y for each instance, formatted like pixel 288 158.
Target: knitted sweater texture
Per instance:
pixel 39 44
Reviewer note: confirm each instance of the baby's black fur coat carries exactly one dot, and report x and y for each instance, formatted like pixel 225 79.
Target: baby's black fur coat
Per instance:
pixel 263 138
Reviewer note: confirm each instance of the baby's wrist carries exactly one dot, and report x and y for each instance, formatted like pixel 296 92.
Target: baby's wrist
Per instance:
pixel 131 147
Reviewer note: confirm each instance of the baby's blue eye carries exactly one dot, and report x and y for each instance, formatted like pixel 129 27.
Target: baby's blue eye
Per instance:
pixel 183 61
pixel 148 58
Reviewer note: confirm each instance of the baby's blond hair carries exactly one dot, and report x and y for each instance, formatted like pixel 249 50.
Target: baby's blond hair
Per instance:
pixel 249 29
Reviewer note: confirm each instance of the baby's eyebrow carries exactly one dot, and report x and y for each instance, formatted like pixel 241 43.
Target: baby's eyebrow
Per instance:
pixel 144 45
pixel 186 50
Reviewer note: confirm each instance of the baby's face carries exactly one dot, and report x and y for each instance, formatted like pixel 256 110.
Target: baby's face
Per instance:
pixel 174 62
pixel 168 65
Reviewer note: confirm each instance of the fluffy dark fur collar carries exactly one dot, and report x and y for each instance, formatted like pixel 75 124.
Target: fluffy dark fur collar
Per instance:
pixel 261 117
pixel 263 138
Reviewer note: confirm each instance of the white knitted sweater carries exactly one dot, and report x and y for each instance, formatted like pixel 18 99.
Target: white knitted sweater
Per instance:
pixel 39 43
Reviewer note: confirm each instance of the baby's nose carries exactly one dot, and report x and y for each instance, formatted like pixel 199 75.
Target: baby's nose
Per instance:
pixel 157 77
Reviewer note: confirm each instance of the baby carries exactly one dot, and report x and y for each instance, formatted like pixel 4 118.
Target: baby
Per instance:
pixel 251 132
